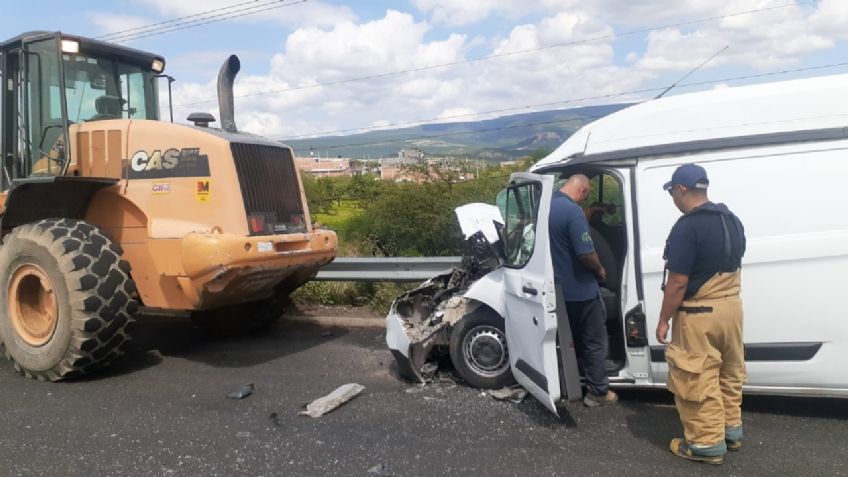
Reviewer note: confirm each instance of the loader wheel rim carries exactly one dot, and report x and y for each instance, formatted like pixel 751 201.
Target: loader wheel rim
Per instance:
pixel 485 351
pixel 33 307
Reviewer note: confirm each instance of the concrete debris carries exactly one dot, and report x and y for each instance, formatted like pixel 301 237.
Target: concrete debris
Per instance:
pixel 341 395
pixel 242 392
pixel 512 394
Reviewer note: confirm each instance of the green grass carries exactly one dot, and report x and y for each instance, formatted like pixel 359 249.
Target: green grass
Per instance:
pixel 340 216
pixel 376 296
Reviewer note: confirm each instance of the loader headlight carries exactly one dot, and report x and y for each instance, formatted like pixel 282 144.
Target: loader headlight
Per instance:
pixel 70 46
pixel 157 66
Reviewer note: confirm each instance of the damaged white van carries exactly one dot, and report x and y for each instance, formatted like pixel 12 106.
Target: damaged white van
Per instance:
pixel 776 154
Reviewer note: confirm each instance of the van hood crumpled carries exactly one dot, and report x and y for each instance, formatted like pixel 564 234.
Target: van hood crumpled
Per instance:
pixel 419 322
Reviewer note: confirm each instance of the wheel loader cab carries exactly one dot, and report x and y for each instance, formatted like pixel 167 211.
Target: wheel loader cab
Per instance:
pixel 172 217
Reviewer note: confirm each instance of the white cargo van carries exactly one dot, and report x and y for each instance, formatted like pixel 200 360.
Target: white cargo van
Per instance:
pixel 776 154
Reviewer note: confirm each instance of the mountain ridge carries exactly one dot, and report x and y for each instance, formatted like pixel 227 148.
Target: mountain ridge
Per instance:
pixel 498 139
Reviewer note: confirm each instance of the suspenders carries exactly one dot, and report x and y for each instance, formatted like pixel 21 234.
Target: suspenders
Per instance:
pixel 729 260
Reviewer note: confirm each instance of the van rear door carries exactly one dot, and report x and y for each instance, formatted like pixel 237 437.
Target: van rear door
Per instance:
pixel 531 300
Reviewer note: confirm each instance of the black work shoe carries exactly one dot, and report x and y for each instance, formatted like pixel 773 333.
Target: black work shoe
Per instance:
pixel 733 437
pixel 707 454
pixel 595 400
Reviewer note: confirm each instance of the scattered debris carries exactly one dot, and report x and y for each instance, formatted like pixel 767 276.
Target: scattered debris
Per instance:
pixel 242 392
pixel 327 334
pixel 380 470
pixel 415 388
pixel 275 419
pixel 514 394
pixel 341 395
pixel 428 371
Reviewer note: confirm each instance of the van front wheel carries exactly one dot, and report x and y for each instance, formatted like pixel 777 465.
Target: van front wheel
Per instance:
pixel 479 351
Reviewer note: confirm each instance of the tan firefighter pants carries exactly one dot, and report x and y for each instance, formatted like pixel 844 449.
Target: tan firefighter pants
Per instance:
pixel 706 361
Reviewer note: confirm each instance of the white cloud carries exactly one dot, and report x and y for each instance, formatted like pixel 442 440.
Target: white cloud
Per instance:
pixel 575 58
pixel 765 40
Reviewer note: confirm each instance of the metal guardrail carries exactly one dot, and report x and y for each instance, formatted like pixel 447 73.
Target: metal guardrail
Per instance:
pixel 386 269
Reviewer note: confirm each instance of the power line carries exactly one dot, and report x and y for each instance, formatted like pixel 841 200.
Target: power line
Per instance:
pixel 510 53
pixel 165 22
pixel 207 20
pixel 577 118
pixel 566 101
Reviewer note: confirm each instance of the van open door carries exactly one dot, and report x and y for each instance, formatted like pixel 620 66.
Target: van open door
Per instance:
pixel 531 300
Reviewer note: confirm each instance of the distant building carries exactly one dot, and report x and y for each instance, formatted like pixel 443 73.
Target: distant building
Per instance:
pixel 411 154
pixel 324 167
pixel 396 169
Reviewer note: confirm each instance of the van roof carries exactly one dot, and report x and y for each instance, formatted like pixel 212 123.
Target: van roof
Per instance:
pixel 769 113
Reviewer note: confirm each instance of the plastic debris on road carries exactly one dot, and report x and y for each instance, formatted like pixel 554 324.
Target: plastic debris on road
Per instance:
pixel 242 392
pixel 379 470
pixel 275 419
pixel 341 395
pixel 513 394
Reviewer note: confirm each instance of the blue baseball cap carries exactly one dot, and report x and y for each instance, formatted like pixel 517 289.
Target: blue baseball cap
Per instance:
pixel 689 175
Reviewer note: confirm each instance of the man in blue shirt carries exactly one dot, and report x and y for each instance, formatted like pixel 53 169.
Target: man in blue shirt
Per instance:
pixel 706 365
pixel 578 270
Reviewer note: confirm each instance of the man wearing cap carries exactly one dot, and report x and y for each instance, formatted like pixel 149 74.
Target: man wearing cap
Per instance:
pixel 706 364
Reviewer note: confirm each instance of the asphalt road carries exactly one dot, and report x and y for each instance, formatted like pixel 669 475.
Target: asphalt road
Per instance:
pixel 163 411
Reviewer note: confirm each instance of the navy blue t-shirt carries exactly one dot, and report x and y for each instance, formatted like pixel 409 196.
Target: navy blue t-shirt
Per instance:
pixel 695 248
pixel 570 237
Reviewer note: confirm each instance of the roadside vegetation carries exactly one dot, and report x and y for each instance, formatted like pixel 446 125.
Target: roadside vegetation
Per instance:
pixel 394 219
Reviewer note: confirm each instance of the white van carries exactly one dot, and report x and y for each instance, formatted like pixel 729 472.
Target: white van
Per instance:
pixel 776 154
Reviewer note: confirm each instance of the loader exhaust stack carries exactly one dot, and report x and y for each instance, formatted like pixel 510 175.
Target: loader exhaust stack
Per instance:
pixel 226 76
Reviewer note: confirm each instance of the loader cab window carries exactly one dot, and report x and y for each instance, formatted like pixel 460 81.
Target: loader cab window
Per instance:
pixel 520 212
pixel 101 88
pixel 42 145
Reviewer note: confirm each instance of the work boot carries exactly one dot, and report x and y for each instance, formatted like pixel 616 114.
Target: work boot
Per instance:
pixel 597 400
pixel 733 437
pixel 707 454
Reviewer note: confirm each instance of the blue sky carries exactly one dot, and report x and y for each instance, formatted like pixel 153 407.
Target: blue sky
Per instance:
pixel 319 41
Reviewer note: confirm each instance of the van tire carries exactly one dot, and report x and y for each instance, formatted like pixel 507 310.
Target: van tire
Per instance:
pixel 66 299
pixel 478 350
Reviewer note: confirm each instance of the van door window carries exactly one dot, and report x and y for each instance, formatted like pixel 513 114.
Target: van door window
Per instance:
pixel 521 214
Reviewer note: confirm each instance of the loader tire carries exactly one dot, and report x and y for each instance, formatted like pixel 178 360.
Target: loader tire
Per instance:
pixel 66 299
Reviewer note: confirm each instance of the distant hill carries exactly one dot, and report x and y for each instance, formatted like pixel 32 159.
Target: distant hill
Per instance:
pixel 498 139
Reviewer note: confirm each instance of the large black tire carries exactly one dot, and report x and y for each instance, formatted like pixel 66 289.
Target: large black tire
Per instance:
pixel 66 299
pixel 241 319
pixel 478 350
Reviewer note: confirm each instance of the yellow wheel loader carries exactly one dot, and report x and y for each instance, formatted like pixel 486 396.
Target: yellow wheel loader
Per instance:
pixel 108 212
